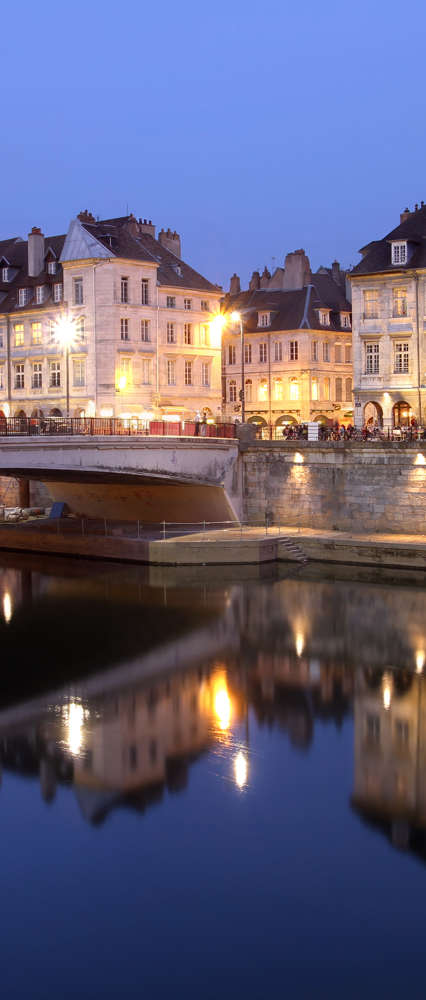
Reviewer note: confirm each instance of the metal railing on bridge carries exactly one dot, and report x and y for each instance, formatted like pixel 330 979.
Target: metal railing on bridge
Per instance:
pixel 113 427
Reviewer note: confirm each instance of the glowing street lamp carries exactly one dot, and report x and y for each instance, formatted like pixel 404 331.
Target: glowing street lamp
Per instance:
pixel 236 317
pixel 65 334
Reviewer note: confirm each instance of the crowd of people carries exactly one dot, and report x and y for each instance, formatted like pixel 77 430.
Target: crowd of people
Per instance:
pixel 340 432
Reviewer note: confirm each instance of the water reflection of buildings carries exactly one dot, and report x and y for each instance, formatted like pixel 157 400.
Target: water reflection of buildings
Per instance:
pixel 390 755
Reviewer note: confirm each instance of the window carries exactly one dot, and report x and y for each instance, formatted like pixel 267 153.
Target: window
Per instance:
pixel 78 371
pixel 204 306
pixel 125 372
pixel 187 333
pixel 188 372
pixel 19 334
pixel 399 253
pixel 145 292
pixel 401 359
pixel 348 390
pixel 187 304
pixel 247 354
pixel 264 319
pixel 57 292
pixel 294 350
pixel 1 377
pixel 124 290
pixel 124 329
pixel 39 294
pixel 278 351
pixel 314 389
pixel 233 392
pixel 231 354
pixel 249 389
pixel 23 296
pixel 36 333
pixel 37 376
pixel 278 388
pixel 1 338
pixel 171 373
pixel 51 267
pixel 326 351
pixel 171 333
pixel 294 389
pixel 338 354
pixel 145 332
pixel 263 390
pixel 171 302
pixel 19 376
pixel 371 303
pixel 371 359
pixel 146 372
pixel 326 386
pixel 204 334
pixel 77 288
pixel 205 374
pixel 338 396
pixel 5 274
pixel 345 320
pixel 54 374
pixel 324 317
pixel 314 350
pixel 263 353
pixel 399 302
pixel 348 354
pixel 80 335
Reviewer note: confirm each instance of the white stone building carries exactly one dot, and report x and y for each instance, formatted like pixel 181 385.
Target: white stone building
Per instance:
pixel 389 323
pixel 142 341
pixel 297 346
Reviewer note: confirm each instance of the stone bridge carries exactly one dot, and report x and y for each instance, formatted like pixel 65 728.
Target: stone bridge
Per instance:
pixel 144 478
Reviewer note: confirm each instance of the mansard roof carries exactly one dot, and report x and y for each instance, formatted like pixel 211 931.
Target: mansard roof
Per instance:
pixel 292 310
pixel 377 255
pixel 15 251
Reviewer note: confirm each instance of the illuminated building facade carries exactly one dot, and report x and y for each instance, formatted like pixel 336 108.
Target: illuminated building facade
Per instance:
pixel 297 345
pixel 142 344
pixel 389 304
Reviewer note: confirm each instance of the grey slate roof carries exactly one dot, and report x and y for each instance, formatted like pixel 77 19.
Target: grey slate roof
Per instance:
pixel 292 310
pixel 15 252
pixel 377 254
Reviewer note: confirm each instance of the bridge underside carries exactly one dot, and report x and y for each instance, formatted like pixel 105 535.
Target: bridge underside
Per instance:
pixel 127 497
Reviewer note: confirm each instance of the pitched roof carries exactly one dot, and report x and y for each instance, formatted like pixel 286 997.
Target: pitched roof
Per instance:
pixel 15 251
pixel 292 310
pixel 377 254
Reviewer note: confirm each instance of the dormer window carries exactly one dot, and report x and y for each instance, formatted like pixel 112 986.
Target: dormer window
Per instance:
pixel 5 274
pixel 39 294
pixel 264 319
pixel 399 253
pixel 345 320
pixel 51 267
pixel 324 317
pixel 23 296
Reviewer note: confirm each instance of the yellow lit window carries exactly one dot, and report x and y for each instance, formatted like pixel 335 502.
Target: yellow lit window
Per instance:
pixel 263 390
pixel 294 389
pixel 36 335
pixel 278 389
pixel 19 334
pixel 314 388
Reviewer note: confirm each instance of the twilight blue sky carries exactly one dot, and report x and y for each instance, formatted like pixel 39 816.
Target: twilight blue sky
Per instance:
pixel 252 129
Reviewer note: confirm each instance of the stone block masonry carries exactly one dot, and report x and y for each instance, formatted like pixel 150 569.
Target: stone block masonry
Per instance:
pixel 360 487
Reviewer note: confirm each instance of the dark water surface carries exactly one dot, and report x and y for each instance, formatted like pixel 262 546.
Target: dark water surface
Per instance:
pixel 213 784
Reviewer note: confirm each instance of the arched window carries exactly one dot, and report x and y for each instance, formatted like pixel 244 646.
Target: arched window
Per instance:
pixel 315 394
pixel 233 391
pixel 326 388
pixel 348 390
pixel 249 387
pixel 278 388
pixel 263 389
pixel 294 389
pixel 338 390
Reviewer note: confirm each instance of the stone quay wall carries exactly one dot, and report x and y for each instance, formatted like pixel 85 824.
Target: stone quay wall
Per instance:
pixel 366 487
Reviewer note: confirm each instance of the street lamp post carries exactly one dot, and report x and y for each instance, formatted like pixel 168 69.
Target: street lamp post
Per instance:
pixel 236 317
pixel 65 334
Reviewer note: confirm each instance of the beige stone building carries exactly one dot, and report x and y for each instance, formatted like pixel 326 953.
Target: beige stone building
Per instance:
pixel 142 341
pixel 297 346
pixel 389 317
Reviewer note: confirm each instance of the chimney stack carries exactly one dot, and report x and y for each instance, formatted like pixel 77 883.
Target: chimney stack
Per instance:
pixel 170 241
pixel 234 285
pixel 86 216
pixel 254 281
pixel 146 226
pixel 336 273
pixel 297 271
pixel 265 279
pixel 35 252
pixel 404 215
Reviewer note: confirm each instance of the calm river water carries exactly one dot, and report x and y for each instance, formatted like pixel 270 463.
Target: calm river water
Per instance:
pixel 213 783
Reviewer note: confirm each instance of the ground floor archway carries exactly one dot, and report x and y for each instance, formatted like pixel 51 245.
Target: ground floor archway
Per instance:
pixel 402 414
pixel 55 412
pixel 373 414
pixel 286 418
pixel 37 413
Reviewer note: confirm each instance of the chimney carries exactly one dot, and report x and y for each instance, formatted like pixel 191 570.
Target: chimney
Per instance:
pixel 265 279
pixel 297 271
pixel 146 227
pixel 132 225
pixel 35 252
pixel 404 215
pixel 336 273
pixel 254 281
pixel 86 216
pixel 170 241
pixel 234 285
